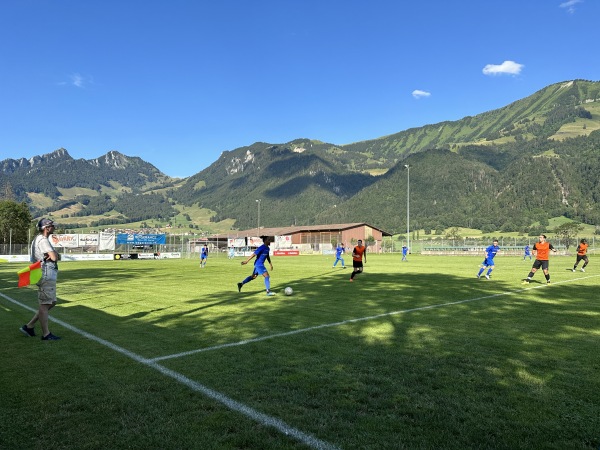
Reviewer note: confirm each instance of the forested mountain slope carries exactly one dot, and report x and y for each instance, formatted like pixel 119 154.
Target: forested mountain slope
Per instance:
pixel 536 158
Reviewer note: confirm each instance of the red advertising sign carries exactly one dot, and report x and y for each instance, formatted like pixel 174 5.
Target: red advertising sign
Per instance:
pixel 286 253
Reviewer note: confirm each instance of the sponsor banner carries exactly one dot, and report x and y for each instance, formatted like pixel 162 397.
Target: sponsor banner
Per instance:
pixel 87 240
pixel 141 239
pixel 121 256
pixel 106 241
pixel 83 240
pixel 236 242
pixel 147 255
pixel 86 257
pixel 283 242
pixel 64 240
pixel 286 253
pixel 169 255
pixel 15 258
pixel 255 242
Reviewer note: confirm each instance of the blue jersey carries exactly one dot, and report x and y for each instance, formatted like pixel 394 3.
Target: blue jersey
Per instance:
pixel 338 251
pixel 527 252
pixel 404 251
pixel 491 251
pixel 261 255
pixel 204 253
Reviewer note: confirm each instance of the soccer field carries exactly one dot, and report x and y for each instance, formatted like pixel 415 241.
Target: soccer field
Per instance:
pixel 161 354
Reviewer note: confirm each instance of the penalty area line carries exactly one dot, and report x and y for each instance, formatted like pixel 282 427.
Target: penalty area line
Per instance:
pixel 355 320
pixel 228 402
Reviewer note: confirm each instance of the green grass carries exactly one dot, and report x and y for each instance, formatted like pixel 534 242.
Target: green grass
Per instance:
pixel 418 354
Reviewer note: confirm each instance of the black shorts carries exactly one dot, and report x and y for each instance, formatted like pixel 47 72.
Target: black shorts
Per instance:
pixel 584 257
pixel 357 264
pixel 543 264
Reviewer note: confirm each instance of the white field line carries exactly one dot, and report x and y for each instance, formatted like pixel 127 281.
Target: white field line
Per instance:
pixel 233 405
pixel 358 319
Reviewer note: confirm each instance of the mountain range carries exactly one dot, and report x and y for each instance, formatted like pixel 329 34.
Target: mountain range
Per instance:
pixel 534 159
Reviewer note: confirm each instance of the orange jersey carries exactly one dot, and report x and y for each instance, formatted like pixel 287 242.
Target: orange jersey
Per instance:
pixel 543 250
pixel 582 249
pixel 357 254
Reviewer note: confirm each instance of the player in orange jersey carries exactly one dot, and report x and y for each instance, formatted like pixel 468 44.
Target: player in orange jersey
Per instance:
pixel 582 255
pixel 541 250
pixel 359 252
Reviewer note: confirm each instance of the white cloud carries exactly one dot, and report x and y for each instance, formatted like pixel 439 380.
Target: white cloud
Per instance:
pixel 507 67
pixel 417 93
pixel 77 80
pixel 570 5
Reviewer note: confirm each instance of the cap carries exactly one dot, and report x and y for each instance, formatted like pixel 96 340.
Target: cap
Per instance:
pixel 43 223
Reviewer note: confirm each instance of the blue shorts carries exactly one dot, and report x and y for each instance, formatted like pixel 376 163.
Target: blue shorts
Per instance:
pixel 260 269
pixel 487 262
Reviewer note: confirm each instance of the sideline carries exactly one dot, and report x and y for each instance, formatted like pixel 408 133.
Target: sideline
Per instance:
pixel 233 405
pixel 358 319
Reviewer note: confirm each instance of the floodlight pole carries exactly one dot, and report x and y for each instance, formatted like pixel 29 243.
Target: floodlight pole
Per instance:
pixel 407 207
pixel 258 223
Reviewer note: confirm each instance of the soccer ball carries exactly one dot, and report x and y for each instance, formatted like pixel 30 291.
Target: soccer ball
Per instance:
pixel 288 291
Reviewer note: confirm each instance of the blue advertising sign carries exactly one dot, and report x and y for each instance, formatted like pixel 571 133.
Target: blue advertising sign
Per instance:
pixel 141 239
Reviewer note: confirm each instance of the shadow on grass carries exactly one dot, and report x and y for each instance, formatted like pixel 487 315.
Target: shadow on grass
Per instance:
pixel 482 364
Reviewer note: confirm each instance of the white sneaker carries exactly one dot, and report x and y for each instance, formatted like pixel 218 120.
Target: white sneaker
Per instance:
pixel 572 270
pixel 487 276
pixel 582 269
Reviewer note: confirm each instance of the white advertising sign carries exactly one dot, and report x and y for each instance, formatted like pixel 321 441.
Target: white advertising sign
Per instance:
pixel 86 240
pixel 169 255
pixel 64 240
pixel 283 242
pixel 86 257
pixel 107 241
pixel 255 241
pixel 15 258
pixel 147 256
pixel 236 242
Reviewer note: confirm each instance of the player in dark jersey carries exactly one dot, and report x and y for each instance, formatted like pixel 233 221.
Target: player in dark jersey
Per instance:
pixel 541 251
pixel 359 252
pixel 582 255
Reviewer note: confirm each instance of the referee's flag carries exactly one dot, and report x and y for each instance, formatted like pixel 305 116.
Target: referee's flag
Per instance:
pixel 30 274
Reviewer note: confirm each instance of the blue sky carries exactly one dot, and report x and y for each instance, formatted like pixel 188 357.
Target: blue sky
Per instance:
pixel 177 82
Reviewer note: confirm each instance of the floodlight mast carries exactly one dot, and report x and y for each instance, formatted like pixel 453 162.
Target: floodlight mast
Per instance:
pixel 258 221
pixel 407 207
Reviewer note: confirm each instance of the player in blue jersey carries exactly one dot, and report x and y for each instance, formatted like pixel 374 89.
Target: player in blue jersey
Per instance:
pixel 527 253
pixel 488 262
pixel 203 256
pixel 404 252
pixel 262 255
pixel 339 251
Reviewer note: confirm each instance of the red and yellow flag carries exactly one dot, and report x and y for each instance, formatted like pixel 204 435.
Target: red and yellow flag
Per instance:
pixel 30 274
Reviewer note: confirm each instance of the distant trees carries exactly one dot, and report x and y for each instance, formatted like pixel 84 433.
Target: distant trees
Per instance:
pixel 567 232
pixel 15 222
pixel 453 233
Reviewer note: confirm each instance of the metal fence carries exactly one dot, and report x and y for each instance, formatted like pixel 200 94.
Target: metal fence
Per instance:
pixel 218 247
